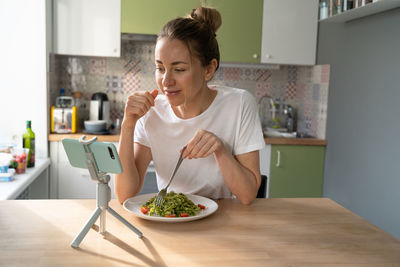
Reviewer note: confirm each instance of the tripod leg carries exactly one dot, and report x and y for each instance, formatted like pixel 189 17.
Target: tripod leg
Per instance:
pixel 78 239
pixel 130 226
pixel 102 228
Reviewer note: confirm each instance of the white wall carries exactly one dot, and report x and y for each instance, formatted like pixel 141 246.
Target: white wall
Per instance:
pixel 23 74
pixel 363 152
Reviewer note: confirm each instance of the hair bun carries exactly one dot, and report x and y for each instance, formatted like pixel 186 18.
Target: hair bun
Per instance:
pixel 207 15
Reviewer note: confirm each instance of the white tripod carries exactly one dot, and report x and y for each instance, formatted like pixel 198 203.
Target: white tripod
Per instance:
pixel 103 196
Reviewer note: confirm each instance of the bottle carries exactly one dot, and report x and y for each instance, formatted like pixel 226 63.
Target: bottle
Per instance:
pixel 323 10
pixel 338 7
pixel 28 141
pixel 290 118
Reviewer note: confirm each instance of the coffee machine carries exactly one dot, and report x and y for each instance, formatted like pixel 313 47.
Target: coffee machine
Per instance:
pixel 99 108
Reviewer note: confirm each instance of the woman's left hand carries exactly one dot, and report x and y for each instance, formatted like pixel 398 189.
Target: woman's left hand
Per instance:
pixel 202 145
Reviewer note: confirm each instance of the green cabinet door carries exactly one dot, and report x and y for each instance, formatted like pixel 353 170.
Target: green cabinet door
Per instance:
pixel 296 171
pixel 239 36
pixel 149 16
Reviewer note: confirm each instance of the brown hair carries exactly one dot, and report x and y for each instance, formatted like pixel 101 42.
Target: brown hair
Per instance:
pixel 198 32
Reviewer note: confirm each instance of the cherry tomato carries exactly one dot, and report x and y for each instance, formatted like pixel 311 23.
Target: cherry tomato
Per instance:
pixel 144 210
pixel 184 214
pixel 170 215
pixel 201 206
pixel 154 93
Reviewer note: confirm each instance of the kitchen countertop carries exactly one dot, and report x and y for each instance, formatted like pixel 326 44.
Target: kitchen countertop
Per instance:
pixel 268 140
pixel 295 141
pixel 12 189
pixel 103 138
pixel 278 232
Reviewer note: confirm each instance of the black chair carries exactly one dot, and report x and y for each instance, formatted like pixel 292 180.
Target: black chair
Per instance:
pixel 262 191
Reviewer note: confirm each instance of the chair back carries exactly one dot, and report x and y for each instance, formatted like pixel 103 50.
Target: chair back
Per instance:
pixel 262 191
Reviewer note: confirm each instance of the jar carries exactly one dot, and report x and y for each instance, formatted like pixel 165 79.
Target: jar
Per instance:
pixel 265 111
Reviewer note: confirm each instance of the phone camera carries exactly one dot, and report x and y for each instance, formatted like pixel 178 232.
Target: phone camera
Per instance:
pixel 111 153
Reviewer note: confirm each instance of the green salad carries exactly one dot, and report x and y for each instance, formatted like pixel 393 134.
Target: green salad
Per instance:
pixel 174 205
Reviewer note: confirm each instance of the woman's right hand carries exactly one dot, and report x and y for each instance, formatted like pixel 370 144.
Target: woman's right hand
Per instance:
pixel 137 105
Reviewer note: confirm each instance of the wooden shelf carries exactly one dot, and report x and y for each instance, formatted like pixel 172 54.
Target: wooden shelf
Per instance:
pixel 367 10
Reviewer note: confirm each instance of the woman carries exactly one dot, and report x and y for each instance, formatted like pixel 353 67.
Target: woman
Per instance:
pixel 219 126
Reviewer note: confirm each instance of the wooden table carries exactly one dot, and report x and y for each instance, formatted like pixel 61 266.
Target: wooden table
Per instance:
pixel 270 232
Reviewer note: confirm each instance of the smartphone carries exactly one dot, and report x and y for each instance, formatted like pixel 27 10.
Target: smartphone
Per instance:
pixel 105 155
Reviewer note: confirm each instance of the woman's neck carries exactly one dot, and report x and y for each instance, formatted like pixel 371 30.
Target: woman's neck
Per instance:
pixel 198 105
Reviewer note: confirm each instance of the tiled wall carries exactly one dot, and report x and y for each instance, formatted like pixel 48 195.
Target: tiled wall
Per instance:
pixel 303 87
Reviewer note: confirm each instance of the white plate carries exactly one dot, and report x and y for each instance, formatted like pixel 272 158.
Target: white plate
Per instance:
pixel 133 206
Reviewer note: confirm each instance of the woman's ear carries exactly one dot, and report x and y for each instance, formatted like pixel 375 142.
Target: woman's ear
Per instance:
pixel 210 69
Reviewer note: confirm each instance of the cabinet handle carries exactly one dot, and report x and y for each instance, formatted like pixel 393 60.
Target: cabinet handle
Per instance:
pixel 278 159
pixel 255 56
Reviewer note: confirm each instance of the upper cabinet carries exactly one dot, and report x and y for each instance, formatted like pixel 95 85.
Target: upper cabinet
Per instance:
pixel 148 17
pixel 239 36
pixel 87 28
pixel 256 31
pixel 289 32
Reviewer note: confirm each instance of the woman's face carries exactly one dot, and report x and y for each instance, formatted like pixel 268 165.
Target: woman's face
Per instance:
pixel 179 76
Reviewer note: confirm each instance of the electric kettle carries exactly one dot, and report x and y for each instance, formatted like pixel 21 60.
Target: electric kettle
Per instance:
pixel 99 108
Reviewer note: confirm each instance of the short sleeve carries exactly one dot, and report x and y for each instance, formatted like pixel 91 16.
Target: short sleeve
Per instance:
pixel 140 135
pixel 249 135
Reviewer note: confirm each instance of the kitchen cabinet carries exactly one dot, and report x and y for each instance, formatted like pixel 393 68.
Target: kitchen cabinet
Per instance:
pixel 87 28
pixel 148 17
pixel 239 36
pixel 67 182
pixel 296 171
pixel 33 184
pixel 289 32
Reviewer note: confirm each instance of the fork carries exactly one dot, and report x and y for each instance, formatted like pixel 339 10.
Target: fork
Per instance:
pixel 160 196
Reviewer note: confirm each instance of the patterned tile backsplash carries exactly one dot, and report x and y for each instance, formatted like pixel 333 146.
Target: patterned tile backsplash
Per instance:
pixel 303 87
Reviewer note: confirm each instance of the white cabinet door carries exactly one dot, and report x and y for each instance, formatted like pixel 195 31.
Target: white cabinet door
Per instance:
pixel 76 182
pixel 87 27
pixel 53 179
pixel 67 182
pixel 289 34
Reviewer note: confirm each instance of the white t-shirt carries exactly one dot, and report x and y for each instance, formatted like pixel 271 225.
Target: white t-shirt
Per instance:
pixel 232 116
